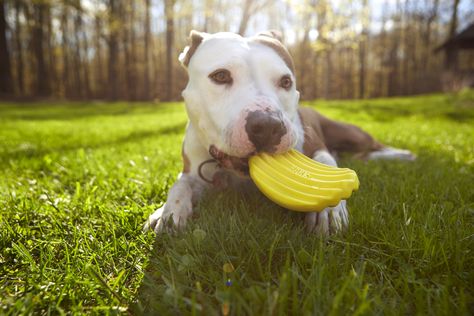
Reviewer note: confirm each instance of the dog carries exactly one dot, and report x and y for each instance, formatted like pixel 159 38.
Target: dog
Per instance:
pixel 241 99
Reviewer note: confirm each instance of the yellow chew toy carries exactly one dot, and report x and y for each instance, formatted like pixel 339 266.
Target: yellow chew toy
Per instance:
pixel 299 183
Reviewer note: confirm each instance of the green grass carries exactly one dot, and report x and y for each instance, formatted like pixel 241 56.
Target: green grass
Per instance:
pixel 78 181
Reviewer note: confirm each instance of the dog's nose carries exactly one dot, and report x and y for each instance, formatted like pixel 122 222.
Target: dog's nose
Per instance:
pixel 265 130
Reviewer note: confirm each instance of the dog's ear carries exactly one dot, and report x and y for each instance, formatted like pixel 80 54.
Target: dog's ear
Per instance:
pixel 273 34
pixel 272 39
pixel 195 38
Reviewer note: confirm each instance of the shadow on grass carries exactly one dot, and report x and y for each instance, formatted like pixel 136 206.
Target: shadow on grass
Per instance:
pixel 461 116
pixel 32 152
pixel 267 245
pixel 382 113
pixel 459 113
pixel 74 111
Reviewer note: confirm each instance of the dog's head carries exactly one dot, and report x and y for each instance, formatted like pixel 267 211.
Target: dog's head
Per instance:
pixel 241 95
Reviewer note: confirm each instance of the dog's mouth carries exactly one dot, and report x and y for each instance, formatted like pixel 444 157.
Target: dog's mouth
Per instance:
pixel 238 164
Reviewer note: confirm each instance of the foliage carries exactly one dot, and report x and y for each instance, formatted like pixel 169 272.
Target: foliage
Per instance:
pixel 79 179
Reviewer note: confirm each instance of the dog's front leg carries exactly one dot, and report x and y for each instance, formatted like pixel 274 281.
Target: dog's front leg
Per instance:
pixel 178 206
pixel 331 219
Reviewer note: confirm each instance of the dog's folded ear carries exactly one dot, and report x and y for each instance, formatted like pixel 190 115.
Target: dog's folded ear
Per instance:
pixel 273 39
pixel 195 38
pixel 273 34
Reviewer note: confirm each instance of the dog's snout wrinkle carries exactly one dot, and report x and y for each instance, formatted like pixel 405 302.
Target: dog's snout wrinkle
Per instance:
pixel 265 130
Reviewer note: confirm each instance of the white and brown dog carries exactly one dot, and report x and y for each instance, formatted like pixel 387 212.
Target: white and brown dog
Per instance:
pixel 241 99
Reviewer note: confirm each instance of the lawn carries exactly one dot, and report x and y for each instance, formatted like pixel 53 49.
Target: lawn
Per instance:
pixel 78 181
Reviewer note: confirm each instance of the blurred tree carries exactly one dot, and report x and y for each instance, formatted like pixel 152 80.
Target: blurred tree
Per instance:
pixel 19 48
pixel 325 23
pixel 452 55
pixel 50 51
pixel 6 84
pixel 169 15
pixel 250 8
pixel 208 8
pixel 453 24
pixel 82 49
pixel 363 38
pixel 114 24
pixel 146 52
pixel 129 49
pixel 81 84
pixel 66 88
pixel 432 15
pixel 40 14
pixel 99 73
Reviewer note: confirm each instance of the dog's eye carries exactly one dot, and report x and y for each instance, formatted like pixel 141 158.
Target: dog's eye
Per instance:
pixel 221 76
pixel 286 82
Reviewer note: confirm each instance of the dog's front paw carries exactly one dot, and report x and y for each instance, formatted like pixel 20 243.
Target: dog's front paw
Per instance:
pixel 170 216
pixel 330 220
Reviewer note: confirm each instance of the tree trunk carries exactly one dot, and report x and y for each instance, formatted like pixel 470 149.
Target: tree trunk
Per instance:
pixel 209 6
pixel 382 80
pixel 250 7
pixel 328 79
pixel 244 20
pixel 169 13
pixel 113 50
pixel 83 59
pixel 453 24
pixel 99 74
pixel 363 47
pixel 125 28
pixel 427 38
pixel 406 49
pixel 326 74
pixel 50 52
pixel 43 87
pixel 146 52
pixel 303 55
pixel 362 62
pixel 65 52
pixel 19 49
pixel 393 64
pixel 130 51
pixel 452 54
pixel 79 87
pixel 6 84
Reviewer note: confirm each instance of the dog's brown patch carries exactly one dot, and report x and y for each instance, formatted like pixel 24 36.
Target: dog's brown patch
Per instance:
pixel 195 39
pixel 343 137
pixel 323 133
pixel 271 41
pixel 273 34
pixel 313 135
pixel 186 161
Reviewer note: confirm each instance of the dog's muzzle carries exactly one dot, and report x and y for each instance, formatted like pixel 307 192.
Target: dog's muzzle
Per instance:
pixel 265 130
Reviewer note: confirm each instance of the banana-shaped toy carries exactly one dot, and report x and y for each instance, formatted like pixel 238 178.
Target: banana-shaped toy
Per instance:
pixel 299 183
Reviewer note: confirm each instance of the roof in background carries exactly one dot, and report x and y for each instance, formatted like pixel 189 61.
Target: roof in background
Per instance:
pixel 462 40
